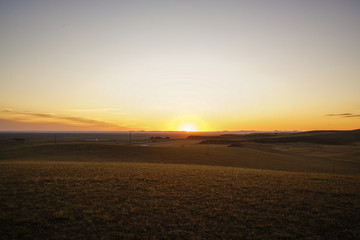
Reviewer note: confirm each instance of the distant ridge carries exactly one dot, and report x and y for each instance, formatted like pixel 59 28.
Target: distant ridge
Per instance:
pixel 317 137
pixel 330 137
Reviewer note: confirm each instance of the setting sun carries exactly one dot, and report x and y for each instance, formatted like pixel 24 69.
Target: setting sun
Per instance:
pixel 180 119
pixel 157 65
pixel 188 127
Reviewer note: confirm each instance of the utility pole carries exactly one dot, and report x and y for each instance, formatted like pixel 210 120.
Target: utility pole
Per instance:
pixel 130 137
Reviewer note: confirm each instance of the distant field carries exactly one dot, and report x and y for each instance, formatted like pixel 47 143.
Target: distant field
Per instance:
pixel 197 188
pixel 343 159
pixel 11 138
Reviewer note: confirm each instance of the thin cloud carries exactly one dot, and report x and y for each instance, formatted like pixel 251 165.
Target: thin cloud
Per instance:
pixel 88 121
pixel 5 110
pixel 41 115
pixel 26 116
pixel 114 110
pixel 343 115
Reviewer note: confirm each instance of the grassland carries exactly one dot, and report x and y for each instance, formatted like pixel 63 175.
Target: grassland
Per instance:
pixel 179 190
pixel 62 200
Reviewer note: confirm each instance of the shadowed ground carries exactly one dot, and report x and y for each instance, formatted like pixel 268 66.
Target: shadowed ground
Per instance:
pixel 57 200
pixel 179 190
pixel 304 157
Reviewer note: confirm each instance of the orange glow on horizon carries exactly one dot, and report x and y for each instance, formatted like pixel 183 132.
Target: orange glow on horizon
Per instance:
pixel 15 120
pixel 187 123
pixel 198 70
pixel 188 127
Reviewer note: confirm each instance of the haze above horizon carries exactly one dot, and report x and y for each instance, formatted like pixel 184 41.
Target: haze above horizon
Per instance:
pixel 179 65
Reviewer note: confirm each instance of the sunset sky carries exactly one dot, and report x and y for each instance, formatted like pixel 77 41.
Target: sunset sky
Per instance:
pixel 179 65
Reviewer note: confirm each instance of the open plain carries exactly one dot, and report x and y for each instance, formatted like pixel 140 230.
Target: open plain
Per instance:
pixel 195 188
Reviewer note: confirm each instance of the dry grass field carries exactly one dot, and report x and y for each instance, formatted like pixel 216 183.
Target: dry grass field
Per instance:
pixel 83 200
pixel 179 190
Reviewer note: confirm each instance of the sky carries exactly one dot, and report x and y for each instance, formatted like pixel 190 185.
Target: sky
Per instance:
pixel 179 65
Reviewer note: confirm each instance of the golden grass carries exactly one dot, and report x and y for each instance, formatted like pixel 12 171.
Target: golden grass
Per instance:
pixel 103 200
pixel 179 190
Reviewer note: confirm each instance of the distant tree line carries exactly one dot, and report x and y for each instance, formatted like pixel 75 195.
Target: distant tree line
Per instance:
pixel 156 139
